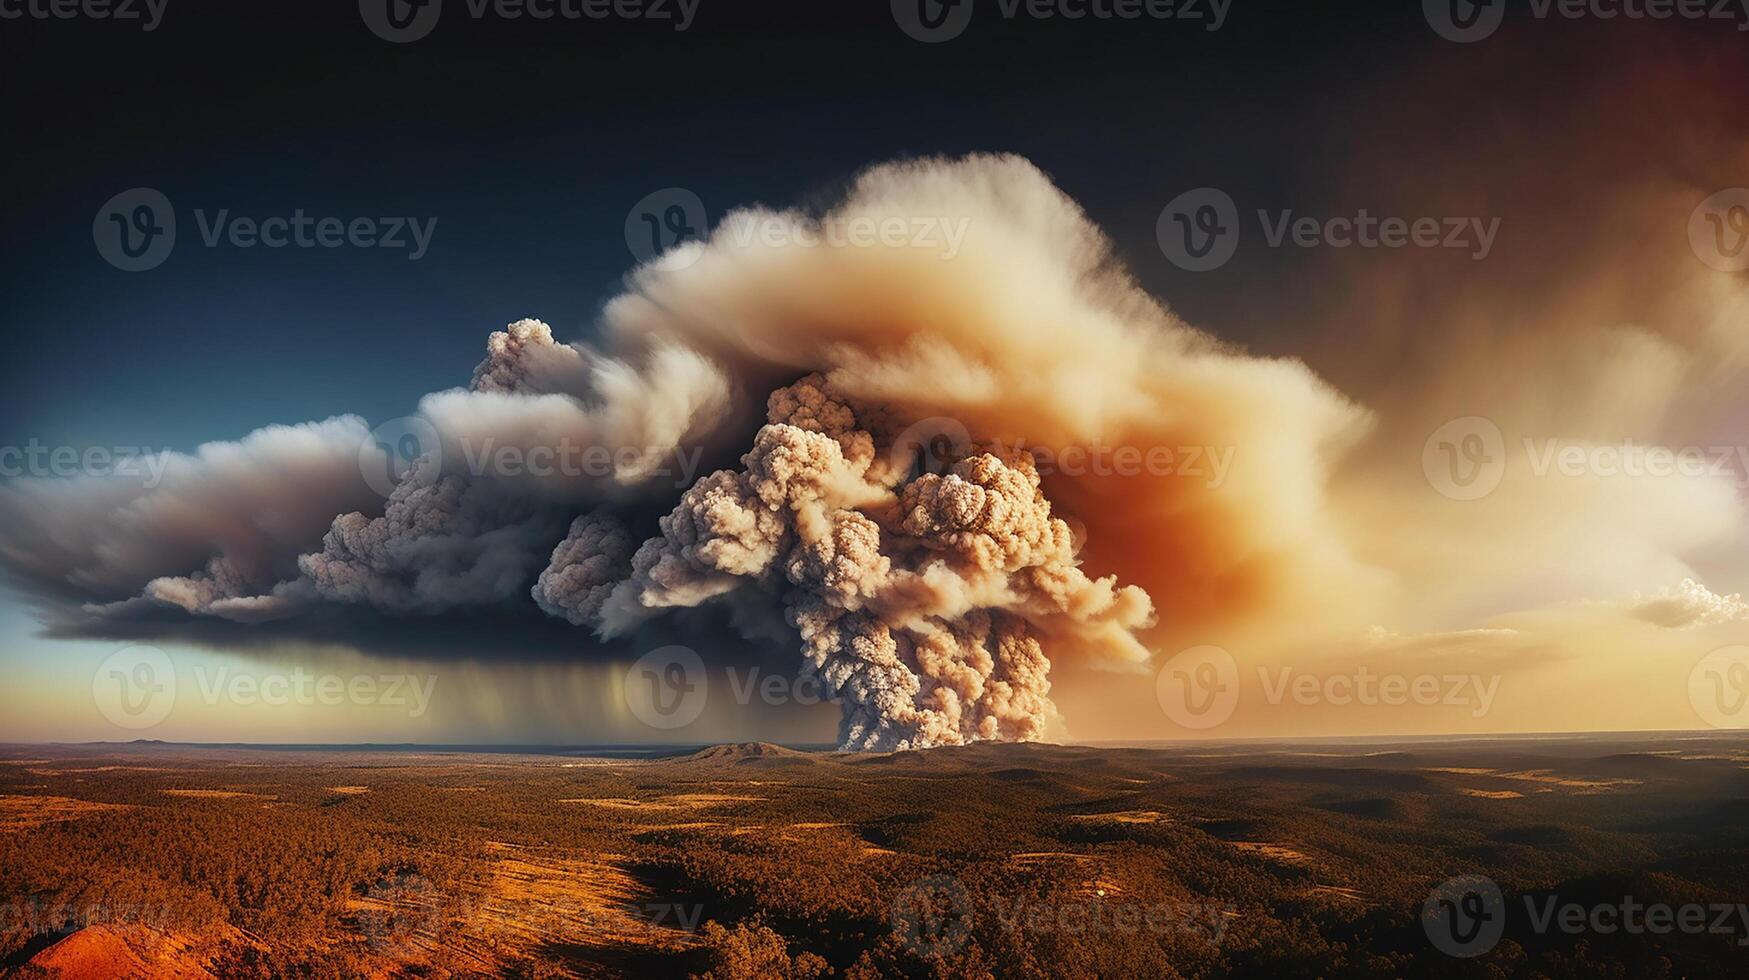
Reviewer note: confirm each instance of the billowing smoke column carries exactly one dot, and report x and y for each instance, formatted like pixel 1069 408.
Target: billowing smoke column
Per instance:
pixel 914 597
pixel 973 304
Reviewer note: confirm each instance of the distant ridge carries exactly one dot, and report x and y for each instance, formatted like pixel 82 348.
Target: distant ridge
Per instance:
pixel 742 751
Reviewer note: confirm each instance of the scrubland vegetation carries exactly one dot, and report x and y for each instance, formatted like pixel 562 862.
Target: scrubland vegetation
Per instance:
pixel 1008 861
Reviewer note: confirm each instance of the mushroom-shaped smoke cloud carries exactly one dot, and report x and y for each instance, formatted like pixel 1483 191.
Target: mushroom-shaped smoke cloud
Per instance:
pixel 930 588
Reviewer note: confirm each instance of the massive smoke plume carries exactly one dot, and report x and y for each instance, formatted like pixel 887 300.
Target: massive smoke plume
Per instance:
pixel 921 601
pixel 909 514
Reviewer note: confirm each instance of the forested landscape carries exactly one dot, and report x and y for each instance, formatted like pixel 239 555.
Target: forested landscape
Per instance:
pixel 754 860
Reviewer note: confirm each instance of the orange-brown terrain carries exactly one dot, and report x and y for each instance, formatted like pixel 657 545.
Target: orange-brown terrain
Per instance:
pixel 743 861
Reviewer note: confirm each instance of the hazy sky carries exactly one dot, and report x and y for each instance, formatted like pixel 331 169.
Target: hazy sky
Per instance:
pixel 1565 161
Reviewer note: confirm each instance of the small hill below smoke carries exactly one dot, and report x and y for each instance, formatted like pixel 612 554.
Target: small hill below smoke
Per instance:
pixel 744 751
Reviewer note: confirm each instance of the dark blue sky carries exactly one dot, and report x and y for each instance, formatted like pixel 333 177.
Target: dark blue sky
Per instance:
pixel 528 142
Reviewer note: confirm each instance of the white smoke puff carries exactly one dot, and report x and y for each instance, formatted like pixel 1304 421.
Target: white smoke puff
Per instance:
pixel 523 358
pixel 224 591
pixel 838 554
pixel 593 558
pixel 987 512
pixel 197 592
pixel 730 528
pixel 812 405
pixel 629 426
pixel 1689 605
pixel 719 535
